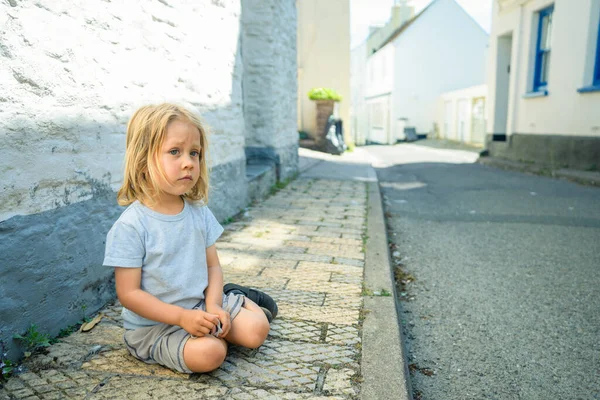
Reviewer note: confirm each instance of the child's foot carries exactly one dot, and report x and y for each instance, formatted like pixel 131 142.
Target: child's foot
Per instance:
pixel 262 299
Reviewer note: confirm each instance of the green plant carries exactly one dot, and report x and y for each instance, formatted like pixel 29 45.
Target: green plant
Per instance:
pixel 324 94
pixel 83 309
pixel 6 366
pixel 279 185
pixel 33 339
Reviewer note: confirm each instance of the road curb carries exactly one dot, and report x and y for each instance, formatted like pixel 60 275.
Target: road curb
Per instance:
pixel 383 365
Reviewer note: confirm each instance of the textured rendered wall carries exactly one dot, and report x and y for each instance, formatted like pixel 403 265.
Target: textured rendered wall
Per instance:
pixel 71 74
pixel 270 84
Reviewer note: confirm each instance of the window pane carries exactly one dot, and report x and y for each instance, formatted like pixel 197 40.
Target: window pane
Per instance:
pixel 545 66
pixel 546 31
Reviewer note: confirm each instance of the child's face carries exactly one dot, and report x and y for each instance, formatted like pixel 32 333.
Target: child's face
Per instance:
pixel 179 158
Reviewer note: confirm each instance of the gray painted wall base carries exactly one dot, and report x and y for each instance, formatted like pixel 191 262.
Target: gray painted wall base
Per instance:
pixel 556 151
pixel 260 182
pixel 51 262
pixel 51 267
pixel 288 161
pixel 229 189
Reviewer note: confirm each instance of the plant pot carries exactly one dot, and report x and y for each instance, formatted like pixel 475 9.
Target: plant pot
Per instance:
pixel 324 111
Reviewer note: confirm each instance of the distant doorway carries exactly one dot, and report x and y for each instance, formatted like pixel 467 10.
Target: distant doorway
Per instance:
pixel 448 120
pixel 462 120
pixel 478 120
pixel 503 61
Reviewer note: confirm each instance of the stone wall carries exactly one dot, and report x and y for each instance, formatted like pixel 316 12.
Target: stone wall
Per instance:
pixel 270 88
pixel 553 151
pixel 71 74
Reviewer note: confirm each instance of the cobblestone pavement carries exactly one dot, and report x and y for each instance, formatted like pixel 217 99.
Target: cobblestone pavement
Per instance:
pixel 303 246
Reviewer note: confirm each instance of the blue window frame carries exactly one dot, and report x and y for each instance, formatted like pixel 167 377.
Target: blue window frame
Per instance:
pixel 542 51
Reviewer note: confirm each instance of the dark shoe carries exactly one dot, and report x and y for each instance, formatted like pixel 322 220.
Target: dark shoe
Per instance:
pixel 262 299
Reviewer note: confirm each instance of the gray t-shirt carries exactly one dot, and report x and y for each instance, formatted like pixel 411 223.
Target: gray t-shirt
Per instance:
pixel 170 249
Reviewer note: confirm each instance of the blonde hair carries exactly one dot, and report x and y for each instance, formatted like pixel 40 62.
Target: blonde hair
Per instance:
pixel 146 133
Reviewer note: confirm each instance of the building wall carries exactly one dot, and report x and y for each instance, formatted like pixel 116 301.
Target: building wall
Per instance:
pixel 270 89
pixel 71 74
pixel 448 118
pixel 442 50
pixel 358 107
pixel 323 56
pixel 380 75
pixel 564 111
pixel 561 128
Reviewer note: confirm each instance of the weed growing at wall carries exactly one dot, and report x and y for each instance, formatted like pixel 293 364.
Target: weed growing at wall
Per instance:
pixel 7 367
pixel 33 340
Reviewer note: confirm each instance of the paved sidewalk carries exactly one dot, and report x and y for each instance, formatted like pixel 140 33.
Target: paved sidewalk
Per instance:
pixel 305 246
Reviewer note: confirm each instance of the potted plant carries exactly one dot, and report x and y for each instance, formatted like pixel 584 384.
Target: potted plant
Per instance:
pixel 325 99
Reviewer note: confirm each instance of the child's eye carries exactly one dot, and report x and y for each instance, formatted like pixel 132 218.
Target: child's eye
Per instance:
pixel 174 152
pixel 195 153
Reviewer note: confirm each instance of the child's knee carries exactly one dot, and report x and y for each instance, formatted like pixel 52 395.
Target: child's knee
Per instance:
pixel 217 354
pixel 258 333
pixel 205 356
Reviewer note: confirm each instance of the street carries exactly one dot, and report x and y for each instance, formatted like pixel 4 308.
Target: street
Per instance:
pixel 503 272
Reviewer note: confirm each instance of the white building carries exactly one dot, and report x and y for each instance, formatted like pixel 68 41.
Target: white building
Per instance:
pixel 439 50
pixel 358 108
pixel 461 115
pixel 544 82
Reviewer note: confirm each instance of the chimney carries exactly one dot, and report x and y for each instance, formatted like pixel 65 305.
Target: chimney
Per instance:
pixel 401 12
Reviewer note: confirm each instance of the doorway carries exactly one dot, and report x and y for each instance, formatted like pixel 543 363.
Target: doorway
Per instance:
pixel 503 66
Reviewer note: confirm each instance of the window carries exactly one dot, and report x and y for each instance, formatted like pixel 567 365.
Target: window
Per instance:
pixel 542 51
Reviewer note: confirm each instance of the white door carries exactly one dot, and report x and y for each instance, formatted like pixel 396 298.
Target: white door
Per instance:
pixel 478 121
pixel 463 111
pixel 379 115
pixel 447 120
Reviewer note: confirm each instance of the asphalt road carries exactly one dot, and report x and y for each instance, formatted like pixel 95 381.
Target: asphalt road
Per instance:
pixel 506 298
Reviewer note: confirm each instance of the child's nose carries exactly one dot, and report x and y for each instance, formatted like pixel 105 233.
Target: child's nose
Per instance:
pixel 188 162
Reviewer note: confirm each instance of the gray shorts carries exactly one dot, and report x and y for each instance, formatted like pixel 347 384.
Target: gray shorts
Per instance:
pixel 163 344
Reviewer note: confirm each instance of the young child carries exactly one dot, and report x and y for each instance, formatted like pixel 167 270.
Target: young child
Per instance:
pixel 176 311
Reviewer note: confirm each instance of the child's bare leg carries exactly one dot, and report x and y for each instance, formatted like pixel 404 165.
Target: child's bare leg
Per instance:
pixel 250 327
pixel 205 353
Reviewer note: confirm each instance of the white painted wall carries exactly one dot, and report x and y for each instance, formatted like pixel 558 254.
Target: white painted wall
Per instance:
pixel 358 107
pixel 378 95
pixel 323 56
pixel 444 49
pixel 73 72
pixel 564 111
pixel 447 115
pixel 380 72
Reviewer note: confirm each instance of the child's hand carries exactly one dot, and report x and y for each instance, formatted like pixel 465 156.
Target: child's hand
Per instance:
pixel 224 317
pixel 197 322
